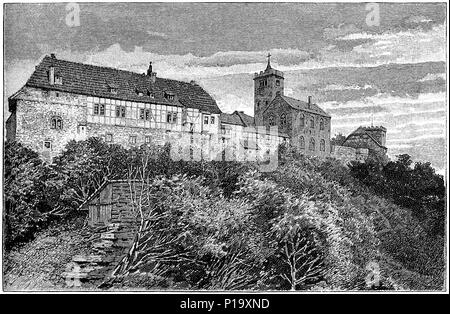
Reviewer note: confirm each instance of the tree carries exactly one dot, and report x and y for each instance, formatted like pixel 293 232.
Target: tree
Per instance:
pixel 338 139
pixel 85 165
pixel 30 193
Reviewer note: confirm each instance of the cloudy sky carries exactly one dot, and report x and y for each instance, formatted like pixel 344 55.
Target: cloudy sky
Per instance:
pixel 392 72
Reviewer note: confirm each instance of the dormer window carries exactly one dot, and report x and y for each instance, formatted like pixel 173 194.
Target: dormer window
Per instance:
pixel 58 79
pixel 112 88
pixel 150 94
pixel 169 96
pixel 139 92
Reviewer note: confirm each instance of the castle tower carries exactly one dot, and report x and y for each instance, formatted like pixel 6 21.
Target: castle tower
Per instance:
pixel 378 133
pixel 267 85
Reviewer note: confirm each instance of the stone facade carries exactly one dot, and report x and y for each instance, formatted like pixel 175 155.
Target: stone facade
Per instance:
pixel 305 123
pixel 121 107
pixel 348 154
pixel 308 130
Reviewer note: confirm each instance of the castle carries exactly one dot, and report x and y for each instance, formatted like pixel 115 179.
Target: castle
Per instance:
pixel 64 101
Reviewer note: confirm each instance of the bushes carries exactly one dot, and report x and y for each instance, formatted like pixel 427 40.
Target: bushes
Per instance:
pixel 224 225
pixel 417 188
pixel 30 193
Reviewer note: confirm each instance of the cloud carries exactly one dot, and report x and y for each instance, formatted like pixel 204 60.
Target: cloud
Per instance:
pixel 338 87
pixel 341 30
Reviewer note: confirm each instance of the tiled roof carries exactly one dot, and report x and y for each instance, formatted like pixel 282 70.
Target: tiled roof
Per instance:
pixel 97 81
pixel 246 119
pixel 237 118
pixel 302 105
pixel 231 119
pixel 363 130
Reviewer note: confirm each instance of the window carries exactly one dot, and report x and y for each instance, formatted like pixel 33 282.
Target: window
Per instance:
pixel 321 125
pixel 47 145
pixel 302 121
pixel 277 82
pixel 271 121
pixel 99 109
pixel 206 120
pixel 108 138
pixel 171 117
pixel 302 142
pixel 120 111
pixel 213 120
pixel 169 96
pixel 56 123
pixel 147 114
pixel 139 92
pixel 322 145
pixel 133 139
pixel 312 144
pixel 191 127
pixel 147 139
pixel 113 90
pixel 283 120
pixel 311 123
pixel 58 79
pixel 150 94
pixel 257 105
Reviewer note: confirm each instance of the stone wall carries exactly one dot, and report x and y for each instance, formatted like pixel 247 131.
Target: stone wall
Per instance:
pixel 301 133
pixel 34 112
pixel 348 154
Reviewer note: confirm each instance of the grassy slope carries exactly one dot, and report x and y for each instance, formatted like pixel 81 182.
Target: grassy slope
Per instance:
pixel 39 264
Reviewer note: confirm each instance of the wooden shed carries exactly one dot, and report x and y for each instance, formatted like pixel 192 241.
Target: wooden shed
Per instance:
pixel 112 203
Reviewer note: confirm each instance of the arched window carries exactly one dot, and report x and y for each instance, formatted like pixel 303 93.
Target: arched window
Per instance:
pixel 302 120
pixel 312 144
pixel 271 121
pixel 302 142
pixel 322 145
pixel 283 120
pixel 311 123
pixel 321 125
pixel 56 123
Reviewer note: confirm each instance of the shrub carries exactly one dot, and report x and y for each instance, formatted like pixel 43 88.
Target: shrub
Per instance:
pixel 29 191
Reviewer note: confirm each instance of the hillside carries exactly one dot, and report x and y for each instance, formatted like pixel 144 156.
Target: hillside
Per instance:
pixel 309 225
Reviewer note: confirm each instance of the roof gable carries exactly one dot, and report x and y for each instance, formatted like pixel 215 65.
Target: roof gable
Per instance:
pixel 304 106
pixel 360 131
pixel 237 118
pixel 97 81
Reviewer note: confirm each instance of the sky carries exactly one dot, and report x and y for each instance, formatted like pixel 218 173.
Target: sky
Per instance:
pixel 384 65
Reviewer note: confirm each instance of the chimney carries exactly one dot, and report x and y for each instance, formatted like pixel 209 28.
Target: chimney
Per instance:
pixel 151 73
pixel 153 77
pixel 309 101
pixel 51 75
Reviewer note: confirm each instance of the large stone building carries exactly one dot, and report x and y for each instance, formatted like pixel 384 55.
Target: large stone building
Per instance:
pixel 65 100
pixel 305 123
